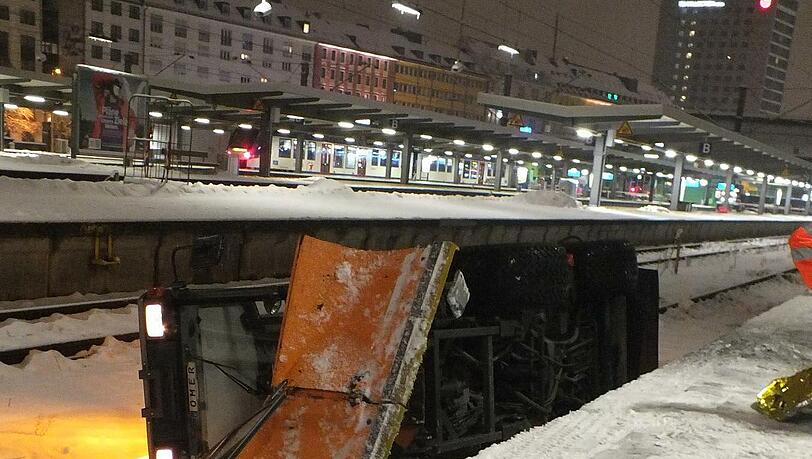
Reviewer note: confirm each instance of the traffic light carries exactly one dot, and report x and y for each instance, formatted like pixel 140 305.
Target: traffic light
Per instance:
pixel 611 96
pixel 765 5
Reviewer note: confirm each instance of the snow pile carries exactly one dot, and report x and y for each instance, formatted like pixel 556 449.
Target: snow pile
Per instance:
pixel 55 407
pixel 696 407
pixel 60 328
pixel 547 198
pixel 655 209
pixel 327 186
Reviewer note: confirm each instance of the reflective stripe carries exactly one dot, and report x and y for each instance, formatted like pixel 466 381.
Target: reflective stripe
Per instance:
pixel 801 253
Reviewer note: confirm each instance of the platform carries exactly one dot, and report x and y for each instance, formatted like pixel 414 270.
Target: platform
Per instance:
pixel 698 406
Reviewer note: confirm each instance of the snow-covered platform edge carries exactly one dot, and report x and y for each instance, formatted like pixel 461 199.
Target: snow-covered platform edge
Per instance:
pixel 698 406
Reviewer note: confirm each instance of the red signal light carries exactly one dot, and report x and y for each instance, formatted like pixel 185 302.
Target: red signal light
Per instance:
pixel 765 5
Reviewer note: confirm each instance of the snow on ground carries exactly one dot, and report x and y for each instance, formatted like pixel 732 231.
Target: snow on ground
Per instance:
pixel 149 200
pixel 96 323
pixel 696 407
pixel 699 276
pixel 55 407
pixel 19 160
pixel 695 325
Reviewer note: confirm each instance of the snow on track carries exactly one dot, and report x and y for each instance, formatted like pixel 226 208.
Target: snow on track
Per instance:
pixel 696 407
pixel 62 328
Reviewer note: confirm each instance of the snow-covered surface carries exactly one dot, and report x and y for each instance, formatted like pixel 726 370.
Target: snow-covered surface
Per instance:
pixel 55 407
pixel 17 160
pixel 654 209
pixel 699 276
pixel 692 326
pixel 96 323
pixel 146 200
pixel 696 407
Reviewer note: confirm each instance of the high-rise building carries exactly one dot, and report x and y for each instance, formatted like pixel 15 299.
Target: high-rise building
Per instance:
pixel 713 55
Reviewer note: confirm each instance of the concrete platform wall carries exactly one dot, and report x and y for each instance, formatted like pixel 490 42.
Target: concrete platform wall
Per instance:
pixel 39 260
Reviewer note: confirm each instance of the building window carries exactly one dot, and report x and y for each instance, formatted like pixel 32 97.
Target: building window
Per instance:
pixel 5 59
pixel 267 45
pixel 288 50
pixel 156 23
pixel 96 52
pixel 135 35
pixel 155 65
pixel 97 5
pixel 115 8
pixel 115 32
pixel 155 42
pixel 286 66
pixel 225 37
pixel 135 12
pixel 203 35
pixel 180 68
pixel 115 55
pixel 266 64
pixel 323 72
pixel 4 12
pixel 203 51
pixel 225 54
pixel 131 58
pixel 247 42
pixel 180 29
pixel 97 29
pixel 245 79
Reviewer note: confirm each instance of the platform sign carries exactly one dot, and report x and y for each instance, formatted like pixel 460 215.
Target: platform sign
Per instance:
pixel 625 130
pixel 516 121
pixel 106 117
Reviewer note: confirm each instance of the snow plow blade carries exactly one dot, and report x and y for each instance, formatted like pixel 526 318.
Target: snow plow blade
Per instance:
pixel 784 397
pixel 353 336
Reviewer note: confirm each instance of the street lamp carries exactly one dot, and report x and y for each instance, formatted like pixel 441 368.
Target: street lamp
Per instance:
pixel 508 49
pixel 406 9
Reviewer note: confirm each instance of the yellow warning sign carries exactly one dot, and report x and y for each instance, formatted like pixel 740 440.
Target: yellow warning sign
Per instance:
pixel 516 121
pixel 625 130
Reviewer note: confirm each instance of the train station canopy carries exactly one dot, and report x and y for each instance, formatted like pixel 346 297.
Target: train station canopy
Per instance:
pixel 661 128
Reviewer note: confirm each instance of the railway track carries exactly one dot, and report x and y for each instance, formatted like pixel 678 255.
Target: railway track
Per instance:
pixel 690 256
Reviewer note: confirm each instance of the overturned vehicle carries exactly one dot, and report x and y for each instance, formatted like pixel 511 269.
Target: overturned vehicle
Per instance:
pixel 420 352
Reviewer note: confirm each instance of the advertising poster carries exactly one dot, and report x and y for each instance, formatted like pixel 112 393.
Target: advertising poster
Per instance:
pixel 104 110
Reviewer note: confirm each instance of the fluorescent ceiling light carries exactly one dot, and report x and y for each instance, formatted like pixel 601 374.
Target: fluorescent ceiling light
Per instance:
pixel 508 49
pixel 701 4
pixel 35 99
pixel 691 158
pixel 283 131
pixel 349 139
pixel 156 114
pixel 651 156
pixel 186 127
pixel 536 155
pixel 202 120
pixel 389 131
pixel 584 133
pixel 377 143
pixel 60 112
pixel 218 131
pixel 345 125
pixel 316 135
pixel 513 151
pixel 406 9
pixel 487 147
pixel 459 142
pixel 646 147
pixel 670 153
pixel 364 121
pixel 426 137
pixel 245 126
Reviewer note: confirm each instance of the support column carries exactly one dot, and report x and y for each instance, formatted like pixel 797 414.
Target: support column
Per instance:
pixel 808 203
pixel 511 170
pixel 788 201
pixel 271 117
pixel 598 162
pixel 676 184
pixel 3 129
pixel 762 196
pixel 728 183
pixel 406 159
pixel 389 162
pixel 497 179
pixel 653 188
pixel 300 153
pixel 456 168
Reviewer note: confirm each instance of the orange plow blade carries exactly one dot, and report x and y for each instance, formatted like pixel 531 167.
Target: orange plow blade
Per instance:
pixel 353 336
